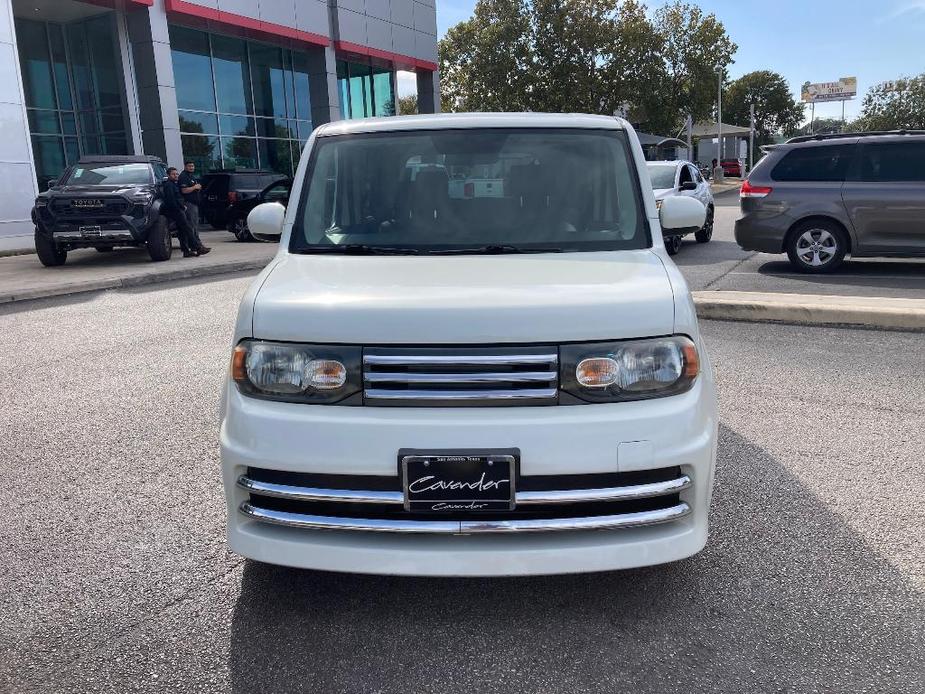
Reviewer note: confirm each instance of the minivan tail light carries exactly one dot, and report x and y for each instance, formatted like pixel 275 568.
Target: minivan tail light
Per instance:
pixel 750 191
pixel 232 197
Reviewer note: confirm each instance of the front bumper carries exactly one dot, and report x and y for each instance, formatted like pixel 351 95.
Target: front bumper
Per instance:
pixel 128 228
pixel 675 432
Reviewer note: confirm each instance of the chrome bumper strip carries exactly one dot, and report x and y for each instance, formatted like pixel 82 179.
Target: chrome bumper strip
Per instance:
pixel 563 496
pixel 625 520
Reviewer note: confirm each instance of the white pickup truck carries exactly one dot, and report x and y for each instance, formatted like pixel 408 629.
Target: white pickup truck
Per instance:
pixel 429 384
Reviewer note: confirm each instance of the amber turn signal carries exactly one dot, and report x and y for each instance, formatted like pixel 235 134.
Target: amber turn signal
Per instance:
pixel 598 372
pixel 691 360
pixel 239 363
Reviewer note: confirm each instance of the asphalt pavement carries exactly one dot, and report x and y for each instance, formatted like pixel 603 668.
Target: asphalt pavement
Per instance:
pixel 721 265
pixel 114 575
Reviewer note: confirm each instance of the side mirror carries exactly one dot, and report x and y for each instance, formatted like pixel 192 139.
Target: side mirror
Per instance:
pixel 682 214
pixel 688 185
pixel 265 221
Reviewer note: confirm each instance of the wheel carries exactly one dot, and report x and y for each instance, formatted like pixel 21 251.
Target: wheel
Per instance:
pixel 160 243
pixel 705 233
pixel 817 246
pixel 49 253
pixel 238 227
pixel 673 244
pixel 103 249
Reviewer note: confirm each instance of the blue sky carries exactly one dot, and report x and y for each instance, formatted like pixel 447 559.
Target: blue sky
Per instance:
pixel 814 40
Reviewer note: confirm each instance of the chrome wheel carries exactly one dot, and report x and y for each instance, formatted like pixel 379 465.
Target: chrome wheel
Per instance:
pixel 816 247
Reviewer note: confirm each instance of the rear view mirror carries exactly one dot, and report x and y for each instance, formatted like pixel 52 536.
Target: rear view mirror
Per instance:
pixel 682 214
pixel 265 221
pixel 688 185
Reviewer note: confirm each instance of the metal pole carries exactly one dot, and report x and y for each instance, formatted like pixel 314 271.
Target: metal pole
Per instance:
pixel 843 123
pixel 751 138
pixel 719 118
pixel 812 119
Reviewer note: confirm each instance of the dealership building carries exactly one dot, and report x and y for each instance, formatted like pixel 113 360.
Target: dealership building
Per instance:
pixel 225 83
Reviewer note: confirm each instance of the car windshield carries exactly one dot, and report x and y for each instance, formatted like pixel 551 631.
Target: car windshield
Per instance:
pixel 109 174
pixel 471 191
pixel 662 176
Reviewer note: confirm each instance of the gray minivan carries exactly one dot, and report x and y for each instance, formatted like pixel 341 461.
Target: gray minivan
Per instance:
pixel 818 198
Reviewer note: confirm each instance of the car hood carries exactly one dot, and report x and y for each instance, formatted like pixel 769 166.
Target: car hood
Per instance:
pixel 465 299
pixel 99 190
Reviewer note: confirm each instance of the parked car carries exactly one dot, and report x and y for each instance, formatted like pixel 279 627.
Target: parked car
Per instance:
pixel 819 198
pixel 682 178
pixel 479 385
pixel 732 167
pixel 238 210
pixel 103 202
pixel 222 189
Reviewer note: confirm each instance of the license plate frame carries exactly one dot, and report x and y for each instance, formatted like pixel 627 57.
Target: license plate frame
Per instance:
pixel 90 230
pixel 485 479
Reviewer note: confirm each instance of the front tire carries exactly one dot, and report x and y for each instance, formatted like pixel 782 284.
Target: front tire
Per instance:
pixel 160 243
pixel 673 244
pixel 704 234
pixel 817 246
pixel 49 253
pixel 238 227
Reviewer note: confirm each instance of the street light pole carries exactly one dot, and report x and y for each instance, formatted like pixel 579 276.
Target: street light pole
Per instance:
pixel 719 118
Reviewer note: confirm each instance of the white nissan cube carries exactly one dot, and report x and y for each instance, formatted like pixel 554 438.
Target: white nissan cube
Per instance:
pixel 471 356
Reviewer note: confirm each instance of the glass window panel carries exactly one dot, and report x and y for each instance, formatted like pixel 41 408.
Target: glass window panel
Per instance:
pixel 59 58
pixel 239 152
pixel 71 150
pixel 276 156
pixel 296 148
pixel 237 125
pixel 43 122
pixel 49 158
pixel 280 127
pixel 115 144
pixel 361 96
pixel 232 82
pixel 383 95
pixel 106 67
pixel 343 86
pixel 112 122
pixel 69 123
pixel 91 145
pixel 89 122
pixel 305 129
pixel 80 66
pixel 202 150
pixel 193 122
pixel 35 63
pixel 300 76
pixel 192 69
pixel 267 77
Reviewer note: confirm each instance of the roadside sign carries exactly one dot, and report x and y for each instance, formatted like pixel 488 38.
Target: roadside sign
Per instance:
pixel 845 88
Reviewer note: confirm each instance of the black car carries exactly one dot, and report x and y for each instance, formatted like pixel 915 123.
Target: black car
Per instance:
pixel 103 202
pixel 222 189
pixel 237 212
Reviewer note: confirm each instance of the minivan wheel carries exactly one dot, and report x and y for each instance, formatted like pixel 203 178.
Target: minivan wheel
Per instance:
pixel 817 246
pixel 160 243
pixel 49 253
pixel 704 234
pixel 238 227
pixel 673 244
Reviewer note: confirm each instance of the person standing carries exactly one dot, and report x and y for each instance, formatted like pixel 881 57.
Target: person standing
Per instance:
pixel 190 187
pixel 174 208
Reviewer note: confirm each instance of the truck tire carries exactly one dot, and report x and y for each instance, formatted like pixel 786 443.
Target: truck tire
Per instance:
pixel 160 243
pixel 673 244
pixel 238 227
pixel 704 234
pixel 48 251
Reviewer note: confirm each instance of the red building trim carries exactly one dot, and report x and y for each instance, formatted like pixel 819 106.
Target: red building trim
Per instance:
pixel 268 29
pixel 397 59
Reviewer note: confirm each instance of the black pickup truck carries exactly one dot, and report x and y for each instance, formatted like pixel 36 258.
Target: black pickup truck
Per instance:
pixel 103 202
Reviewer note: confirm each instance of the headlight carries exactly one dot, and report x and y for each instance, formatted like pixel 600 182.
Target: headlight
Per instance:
pixel 41 202
pixel 631 370
pixel 143 198
pixel 291 372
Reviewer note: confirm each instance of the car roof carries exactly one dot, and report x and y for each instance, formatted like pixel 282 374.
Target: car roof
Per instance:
pixel 119 159
pixel 455 121
pixel 673 162
pixel 821 137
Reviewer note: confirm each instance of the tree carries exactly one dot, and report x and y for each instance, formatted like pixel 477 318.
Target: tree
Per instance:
pixel 894 105
pixel 822 125
pixel 693 46
pixel 776 112
pixel 408 105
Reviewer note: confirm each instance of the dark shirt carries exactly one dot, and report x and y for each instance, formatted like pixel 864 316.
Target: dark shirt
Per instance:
pixel 188 180
pixel 173 199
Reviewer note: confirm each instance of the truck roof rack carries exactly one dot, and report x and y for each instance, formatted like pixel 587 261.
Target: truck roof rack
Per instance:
pixel 868 133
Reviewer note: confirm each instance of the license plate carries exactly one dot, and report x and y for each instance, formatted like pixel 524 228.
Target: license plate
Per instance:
pixel 445 482
pixel 90 231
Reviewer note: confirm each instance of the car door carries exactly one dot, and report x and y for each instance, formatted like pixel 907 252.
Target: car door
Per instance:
pixel 884 197
pixel 686 175
pixel 703 188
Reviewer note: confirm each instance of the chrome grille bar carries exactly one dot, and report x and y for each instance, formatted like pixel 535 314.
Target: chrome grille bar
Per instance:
pixel 453 359
pixel 461 395
pixel 285 491
pixel 522 377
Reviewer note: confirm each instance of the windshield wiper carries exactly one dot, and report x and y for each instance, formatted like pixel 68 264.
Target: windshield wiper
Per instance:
pixel 496 249
pixel 358 249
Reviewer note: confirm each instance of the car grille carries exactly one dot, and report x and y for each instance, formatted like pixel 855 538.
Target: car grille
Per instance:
pixel 109 207
pixel 542 503
pixel 459 377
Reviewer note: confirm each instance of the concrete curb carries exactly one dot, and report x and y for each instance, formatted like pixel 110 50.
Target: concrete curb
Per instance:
pixel 805 309
pixel 192 272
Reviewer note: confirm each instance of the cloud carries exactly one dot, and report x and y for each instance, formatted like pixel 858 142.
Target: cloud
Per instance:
pixel 906 9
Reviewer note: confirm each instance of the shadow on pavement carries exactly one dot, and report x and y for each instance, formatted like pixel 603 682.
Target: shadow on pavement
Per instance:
pixel 896 274
pixel 786 597
pixel 716 251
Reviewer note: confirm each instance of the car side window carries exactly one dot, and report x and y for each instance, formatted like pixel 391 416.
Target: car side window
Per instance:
pixel 695 174
pixel 160 172
pixel 685 176
pixel 827 163
pixel 893 162
pixel 277 193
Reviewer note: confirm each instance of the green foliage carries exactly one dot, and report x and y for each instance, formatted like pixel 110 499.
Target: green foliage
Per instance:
pixel 822 125
pixel 407 105
pixel 776 111
pixel 894 106
pixel 591 56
